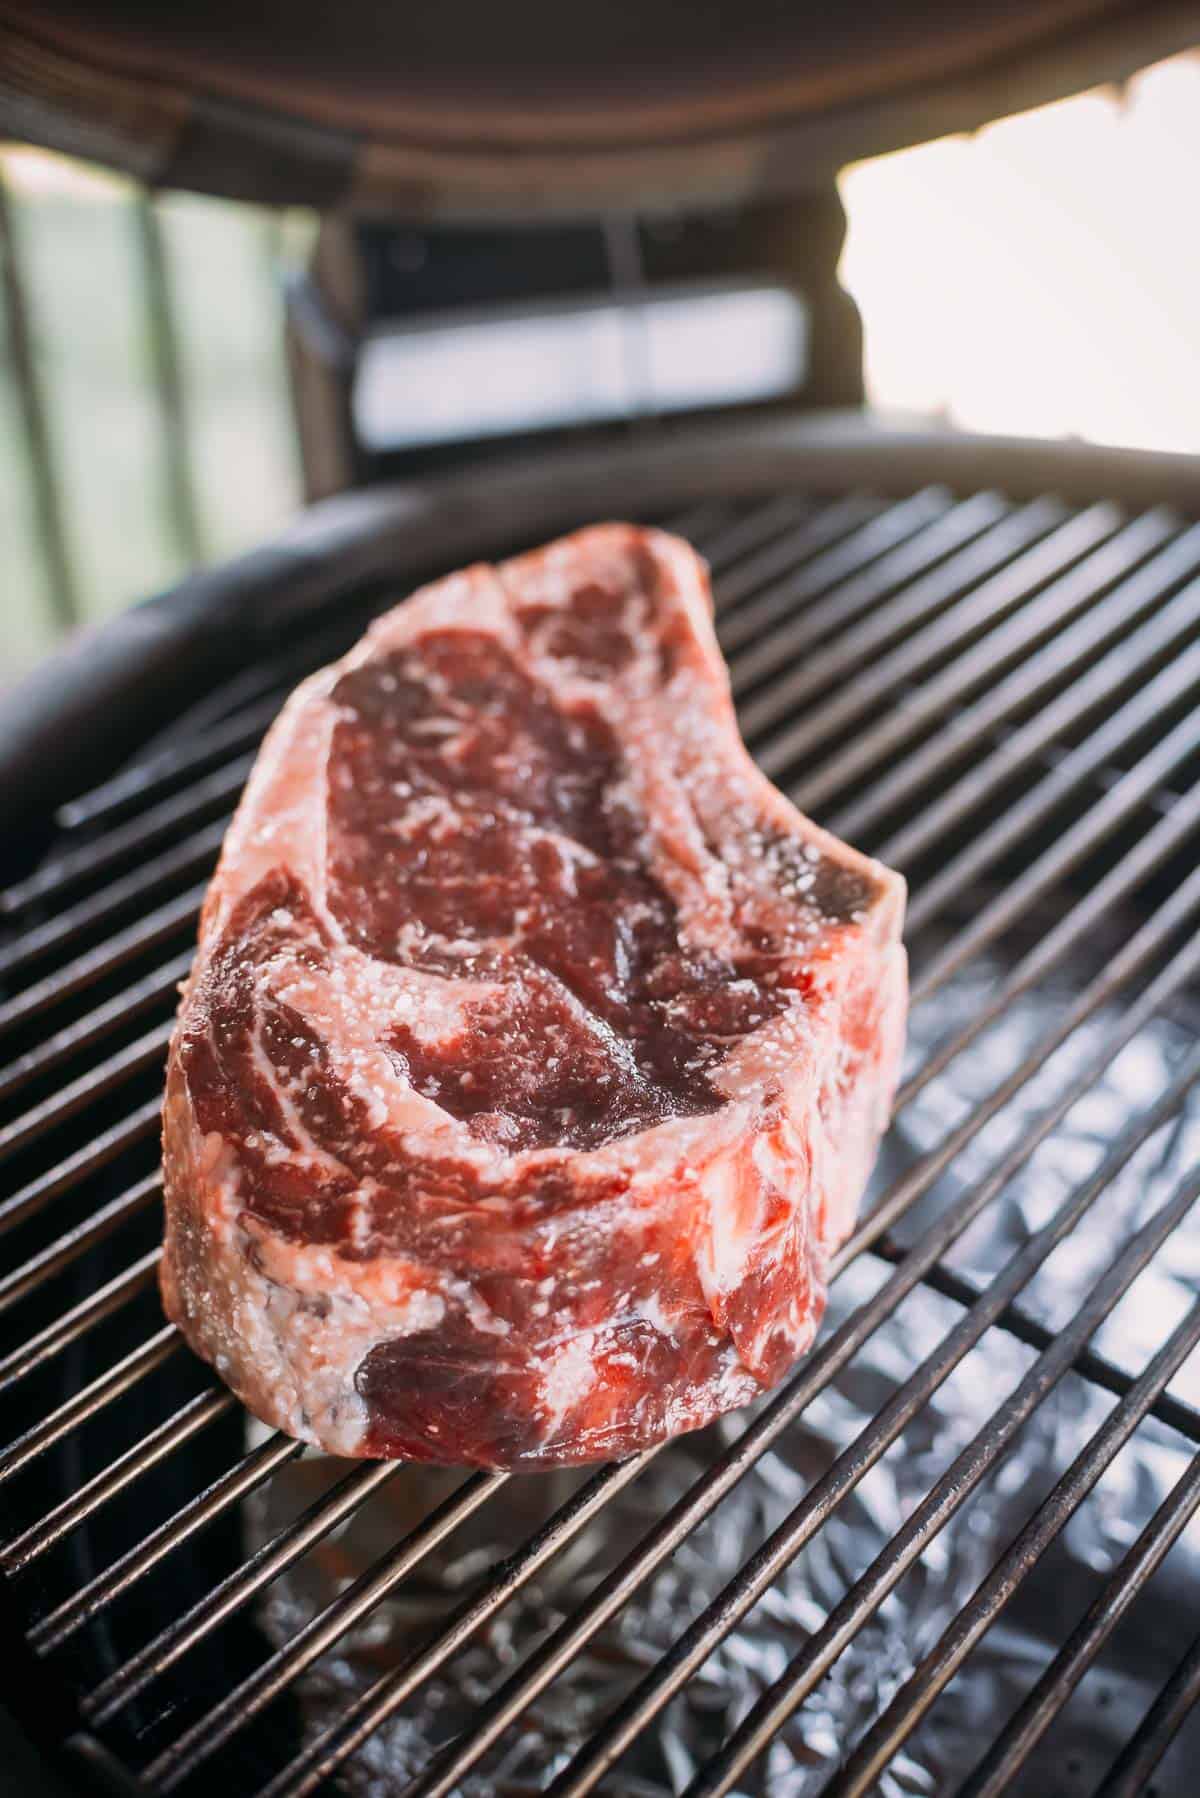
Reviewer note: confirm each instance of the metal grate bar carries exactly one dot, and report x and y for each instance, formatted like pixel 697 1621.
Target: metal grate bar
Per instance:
pixel 268 1681
pixel 709 514
pixel 193 856
pixel 729 1468
pixel 808 539
pixel 732 539
pixel 312 1767
pixel 1112 621
pixel 83 865
pixel 914 1698
pixel 90 1401
pixel 53 1629
pixel 154 1447
pixel 156 775
pixel 1101 991
pixel 448 1768
pixel 104 959
pixel 1018 1322
pixel 815 669
pixel 949 1492
pixel 85 1031
pixel 1129 1775
pixel 67 1174
pixel 989 647
pixel 848 596
pixel 966 797
pixel 144 1052
pixel 21 1281
pixel 232 699
pixel 1011 586
pixel 1093 829
pixel 1051 1692
pixel 1135 866
pixel 1042 800
pixel 272 674
pixel 843 559
pixel 55 1337
pixel 1107 623
pixel 1123 968
pixel 237 1589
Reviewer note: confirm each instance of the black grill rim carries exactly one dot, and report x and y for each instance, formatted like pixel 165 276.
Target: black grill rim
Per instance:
pixel 371 533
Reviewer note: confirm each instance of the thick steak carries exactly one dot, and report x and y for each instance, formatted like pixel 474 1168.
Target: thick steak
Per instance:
pixel 537 1049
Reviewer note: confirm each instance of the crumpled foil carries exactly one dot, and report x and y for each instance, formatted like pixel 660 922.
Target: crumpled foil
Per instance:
pixel 1082 1744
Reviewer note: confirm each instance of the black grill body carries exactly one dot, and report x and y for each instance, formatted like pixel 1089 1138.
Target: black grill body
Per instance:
pixel 979 660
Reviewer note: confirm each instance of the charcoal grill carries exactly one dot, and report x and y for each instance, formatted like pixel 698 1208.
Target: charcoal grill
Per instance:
pixel 951 1553
pixel 980 659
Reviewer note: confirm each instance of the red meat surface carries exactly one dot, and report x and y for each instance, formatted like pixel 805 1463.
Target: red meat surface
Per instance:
pixel 537 1049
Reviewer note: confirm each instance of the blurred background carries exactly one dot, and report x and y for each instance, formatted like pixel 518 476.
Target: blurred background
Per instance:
pixel 1038 277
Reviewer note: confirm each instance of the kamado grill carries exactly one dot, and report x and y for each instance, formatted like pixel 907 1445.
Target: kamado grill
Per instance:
pixel 951 1553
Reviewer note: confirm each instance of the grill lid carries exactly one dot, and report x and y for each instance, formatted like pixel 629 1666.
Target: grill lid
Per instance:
pixel 467 109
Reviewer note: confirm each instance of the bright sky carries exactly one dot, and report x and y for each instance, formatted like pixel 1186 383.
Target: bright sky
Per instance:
pixel 1042 277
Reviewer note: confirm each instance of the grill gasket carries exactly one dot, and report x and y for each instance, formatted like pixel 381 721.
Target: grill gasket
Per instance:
pixel 738 536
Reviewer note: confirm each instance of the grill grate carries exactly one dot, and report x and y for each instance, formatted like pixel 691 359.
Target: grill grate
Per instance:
pixel 998 697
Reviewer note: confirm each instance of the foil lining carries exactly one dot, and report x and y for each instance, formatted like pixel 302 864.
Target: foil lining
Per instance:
pixel 1077 1751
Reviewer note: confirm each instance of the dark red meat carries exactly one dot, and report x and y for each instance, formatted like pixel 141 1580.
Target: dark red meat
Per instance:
pixel 537 1049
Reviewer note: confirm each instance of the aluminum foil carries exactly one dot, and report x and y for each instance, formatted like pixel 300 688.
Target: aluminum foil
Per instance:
pixel 1084 1741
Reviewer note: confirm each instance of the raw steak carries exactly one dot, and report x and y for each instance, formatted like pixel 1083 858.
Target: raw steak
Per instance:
pixel 537 1049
